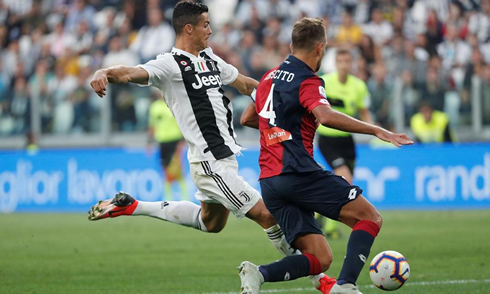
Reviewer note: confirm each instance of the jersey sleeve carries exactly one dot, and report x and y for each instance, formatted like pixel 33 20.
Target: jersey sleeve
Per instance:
pixel 312 93
pixel 159 70
pixel 229 73
pixel 364 98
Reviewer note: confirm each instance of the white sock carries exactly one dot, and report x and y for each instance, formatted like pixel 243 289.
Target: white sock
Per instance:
pixel 277 238
pixel 183 213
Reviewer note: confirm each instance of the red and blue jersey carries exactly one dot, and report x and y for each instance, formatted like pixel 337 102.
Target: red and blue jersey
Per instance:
pixel 285 98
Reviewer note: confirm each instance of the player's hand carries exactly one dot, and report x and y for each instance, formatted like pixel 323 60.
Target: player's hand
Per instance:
pixel 99 83
pixel 396 139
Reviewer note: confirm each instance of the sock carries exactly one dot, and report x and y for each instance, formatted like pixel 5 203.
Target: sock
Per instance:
pixel 291 268
pixel 183 213
pixel 358 247
pixel 277 238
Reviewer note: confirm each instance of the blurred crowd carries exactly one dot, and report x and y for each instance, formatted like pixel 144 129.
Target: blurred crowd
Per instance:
pixel 430 50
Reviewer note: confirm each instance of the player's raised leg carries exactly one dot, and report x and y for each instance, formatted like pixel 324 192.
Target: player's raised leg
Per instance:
pixel 179 212
pixel 365 222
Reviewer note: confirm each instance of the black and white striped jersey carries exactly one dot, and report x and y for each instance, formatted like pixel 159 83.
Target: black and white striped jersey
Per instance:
pixel 192 88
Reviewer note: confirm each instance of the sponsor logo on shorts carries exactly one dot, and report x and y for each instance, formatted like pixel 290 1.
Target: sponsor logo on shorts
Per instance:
pixel 352 193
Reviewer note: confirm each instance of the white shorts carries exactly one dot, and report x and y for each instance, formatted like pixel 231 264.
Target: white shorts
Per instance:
pixel 218 181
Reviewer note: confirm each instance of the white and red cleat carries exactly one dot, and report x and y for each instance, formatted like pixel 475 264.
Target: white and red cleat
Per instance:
pixel 121 204
pixel 326 283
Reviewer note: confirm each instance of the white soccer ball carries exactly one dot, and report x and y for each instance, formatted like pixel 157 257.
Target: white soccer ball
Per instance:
pixel 389 270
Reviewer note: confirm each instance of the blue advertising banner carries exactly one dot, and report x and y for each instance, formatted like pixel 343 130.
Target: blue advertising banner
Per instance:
pixel 414 177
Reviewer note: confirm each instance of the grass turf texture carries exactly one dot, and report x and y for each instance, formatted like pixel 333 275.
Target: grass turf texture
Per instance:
pixel 65 253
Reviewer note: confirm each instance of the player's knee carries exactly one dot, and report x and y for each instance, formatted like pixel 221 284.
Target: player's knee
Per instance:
pixel 214 228
pixel 325 261
pixel 379 220
pixel 371 215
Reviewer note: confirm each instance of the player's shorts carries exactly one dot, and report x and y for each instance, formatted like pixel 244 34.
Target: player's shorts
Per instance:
pixel 293 200
pixel 338 151
pixel 218 181
pixel 167 151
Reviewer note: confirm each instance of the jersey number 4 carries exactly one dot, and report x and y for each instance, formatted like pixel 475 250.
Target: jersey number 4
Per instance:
pixel 268 110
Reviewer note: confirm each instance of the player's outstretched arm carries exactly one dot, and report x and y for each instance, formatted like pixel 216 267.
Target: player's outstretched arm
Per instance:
pixel 244 85
pixel 118 74
pixel 249 117
pixel 337 120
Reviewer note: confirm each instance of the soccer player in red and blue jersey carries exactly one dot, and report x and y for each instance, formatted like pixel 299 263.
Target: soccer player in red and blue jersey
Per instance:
pixel 290 102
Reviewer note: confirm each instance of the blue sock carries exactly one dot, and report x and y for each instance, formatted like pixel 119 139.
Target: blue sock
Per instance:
pixel 288 268
pixel 358 248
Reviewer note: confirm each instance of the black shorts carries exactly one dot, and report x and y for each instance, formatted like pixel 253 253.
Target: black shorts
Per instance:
pixel 294 198
pixel 167 151
pixel 338 151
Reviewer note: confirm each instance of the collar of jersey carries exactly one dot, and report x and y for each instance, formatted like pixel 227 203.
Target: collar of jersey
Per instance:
pixel 185 53
pixel 297 61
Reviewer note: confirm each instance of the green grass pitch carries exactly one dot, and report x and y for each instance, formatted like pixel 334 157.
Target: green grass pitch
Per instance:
pixel 448 252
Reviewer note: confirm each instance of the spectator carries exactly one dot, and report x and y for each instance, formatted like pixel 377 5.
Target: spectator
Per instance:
pixel 409 96
pixel 40 90
pixel 432 91
pixel 60 40
pixel 479 23
pixel 348 32
pixel 83 38
pixel 269 56
pixel 20 107
pixel 455 54
pixel 433 33
pixel 155 38
pixel 378 29
pixel 368 49
pixel 381 90
pixel 485 92
pixel 81 105
pixel 431 126
pixel 118 55
pixel 79 11
pixel 413 62
pixel 456 19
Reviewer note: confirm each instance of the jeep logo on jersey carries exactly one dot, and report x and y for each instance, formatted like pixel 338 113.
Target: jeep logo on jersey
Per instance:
pixel 207 81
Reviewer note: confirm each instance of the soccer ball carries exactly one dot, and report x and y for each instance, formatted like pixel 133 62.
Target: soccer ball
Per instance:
pixel 389 270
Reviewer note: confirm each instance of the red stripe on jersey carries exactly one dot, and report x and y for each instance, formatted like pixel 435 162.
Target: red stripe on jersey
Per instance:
pixel 312 93
pixel 271 157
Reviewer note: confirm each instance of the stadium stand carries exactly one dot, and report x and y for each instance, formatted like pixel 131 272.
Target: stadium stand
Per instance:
pixel 407 51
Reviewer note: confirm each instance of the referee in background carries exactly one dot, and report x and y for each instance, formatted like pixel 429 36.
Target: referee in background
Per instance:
pixel 349 95
pixel 163 128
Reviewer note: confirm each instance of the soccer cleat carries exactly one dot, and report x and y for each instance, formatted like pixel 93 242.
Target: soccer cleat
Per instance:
pixel 121 204
pixel 326 283
pixel 250 277
pixel 344 289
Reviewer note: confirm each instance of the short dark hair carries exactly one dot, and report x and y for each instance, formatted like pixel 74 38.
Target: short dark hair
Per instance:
pixel 307 33
pixel 343 51
pixel 186 12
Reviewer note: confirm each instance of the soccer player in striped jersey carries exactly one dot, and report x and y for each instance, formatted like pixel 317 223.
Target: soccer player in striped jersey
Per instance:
pixel 190 79
pixel 290 102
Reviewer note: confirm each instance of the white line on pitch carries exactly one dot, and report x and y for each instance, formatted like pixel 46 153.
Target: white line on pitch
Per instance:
pixel 447 282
